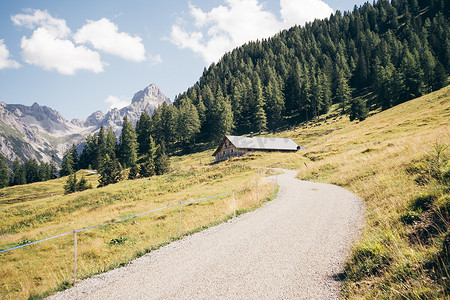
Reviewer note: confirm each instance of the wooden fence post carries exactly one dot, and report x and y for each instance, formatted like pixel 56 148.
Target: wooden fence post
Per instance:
pixel 75 256
pixel 179 228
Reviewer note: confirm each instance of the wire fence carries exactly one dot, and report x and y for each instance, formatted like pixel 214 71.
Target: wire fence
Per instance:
pixel 180 204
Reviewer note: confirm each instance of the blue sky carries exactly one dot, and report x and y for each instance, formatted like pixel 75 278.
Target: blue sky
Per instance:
pixel 81 56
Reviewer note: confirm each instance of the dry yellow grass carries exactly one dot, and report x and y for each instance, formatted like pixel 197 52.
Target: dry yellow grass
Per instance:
pixel 39 269
pixel 371 158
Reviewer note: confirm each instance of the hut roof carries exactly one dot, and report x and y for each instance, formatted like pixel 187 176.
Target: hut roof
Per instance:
pixel 260 143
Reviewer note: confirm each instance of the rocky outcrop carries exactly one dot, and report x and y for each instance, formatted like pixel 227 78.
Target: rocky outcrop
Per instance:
pixel 40 132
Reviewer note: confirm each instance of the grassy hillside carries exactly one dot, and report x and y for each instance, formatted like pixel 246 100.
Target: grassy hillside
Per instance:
pixel 37 211
pixel 391 160
pixel 398 162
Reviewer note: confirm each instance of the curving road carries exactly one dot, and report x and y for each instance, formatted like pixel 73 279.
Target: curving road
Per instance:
pixel 292 248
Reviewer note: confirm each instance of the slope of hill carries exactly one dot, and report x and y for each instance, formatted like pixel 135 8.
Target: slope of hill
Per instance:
pixel 398 161
pixel 388 51
pixel 373 158
pixel 41 132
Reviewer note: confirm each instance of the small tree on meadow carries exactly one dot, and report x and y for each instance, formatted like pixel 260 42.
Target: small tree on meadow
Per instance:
pixel 4 173
pixel 110 171
pixel 358 110
pixel 71 184
pixel 83 185
pixel 162 163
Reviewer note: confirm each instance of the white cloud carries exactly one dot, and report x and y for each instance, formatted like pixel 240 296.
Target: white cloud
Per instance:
pixel 5 61
pixel 104 35
pixel 299 12
pixel 116 102
pixel 239 21
pixel 50 47
pixel 45 50
pixel 155 59
pixel 42 19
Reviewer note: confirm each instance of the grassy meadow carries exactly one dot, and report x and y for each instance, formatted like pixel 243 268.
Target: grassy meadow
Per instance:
pixel 398 162
pixel 395 160
pixel 32 212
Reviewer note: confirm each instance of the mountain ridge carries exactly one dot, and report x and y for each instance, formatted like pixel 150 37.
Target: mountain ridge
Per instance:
pixel 41 132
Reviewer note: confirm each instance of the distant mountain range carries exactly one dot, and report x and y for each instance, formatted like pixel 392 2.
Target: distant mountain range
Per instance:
pixel 39 132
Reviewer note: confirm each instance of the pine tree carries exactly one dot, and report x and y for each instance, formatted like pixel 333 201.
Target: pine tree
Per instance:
pixel 343 92
pixel 358 110
pixel 53 168
pixel 71 184
pixel 128 144
pixel 413 74
pixel 18 173
pixel 188 122
pixel 361 73
pixel 221 122
pixel 169 124
pixel 44 171
pixel 147 168
pixel 293 89
pixel 101 145
pixel 75 158
pixel 67 165
pixel 31 170
pixel 111 143
pixel 236 106
pixel 386 94
pixel 440 77
pixel 83 184
pixel 4 173
pixel 259 117
pixel 274 104
pixel 110 171
pixel 162 163
pixel 134 172
pixel 143 131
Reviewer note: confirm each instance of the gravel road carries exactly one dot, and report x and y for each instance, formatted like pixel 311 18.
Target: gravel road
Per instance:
pixel 292 248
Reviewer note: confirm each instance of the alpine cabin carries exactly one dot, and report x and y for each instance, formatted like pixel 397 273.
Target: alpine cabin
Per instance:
pixel 233 146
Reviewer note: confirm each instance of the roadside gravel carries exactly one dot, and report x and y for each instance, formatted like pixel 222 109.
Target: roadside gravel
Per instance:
pixel 292 248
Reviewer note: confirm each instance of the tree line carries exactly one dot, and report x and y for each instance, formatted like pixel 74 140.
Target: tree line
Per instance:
pixel 376 56
pixel 28 172
pixel 135 150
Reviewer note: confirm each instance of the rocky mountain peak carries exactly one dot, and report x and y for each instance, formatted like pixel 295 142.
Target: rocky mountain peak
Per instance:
pixel 152 94
pixel 40 132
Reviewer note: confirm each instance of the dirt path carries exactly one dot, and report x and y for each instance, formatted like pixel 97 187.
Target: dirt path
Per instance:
pixel 290 249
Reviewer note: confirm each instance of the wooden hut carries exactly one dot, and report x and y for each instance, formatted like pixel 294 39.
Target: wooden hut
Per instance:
pixel 233 146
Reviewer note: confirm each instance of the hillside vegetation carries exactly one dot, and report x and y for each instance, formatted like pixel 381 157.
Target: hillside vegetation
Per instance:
pixel 382 159
pixel 398 161
pixel 377 56
pixel 36 211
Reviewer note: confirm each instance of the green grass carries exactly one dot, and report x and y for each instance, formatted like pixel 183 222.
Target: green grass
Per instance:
pixel 38 190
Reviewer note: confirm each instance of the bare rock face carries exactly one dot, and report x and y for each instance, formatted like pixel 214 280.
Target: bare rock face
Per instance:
pixel 41 132
pixel 93 120
pixel 147 99
pixel 151 95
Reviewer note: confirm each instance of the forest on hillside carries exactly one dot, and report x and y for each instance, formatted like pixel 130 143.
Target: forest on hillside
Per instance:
pixel 376 56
